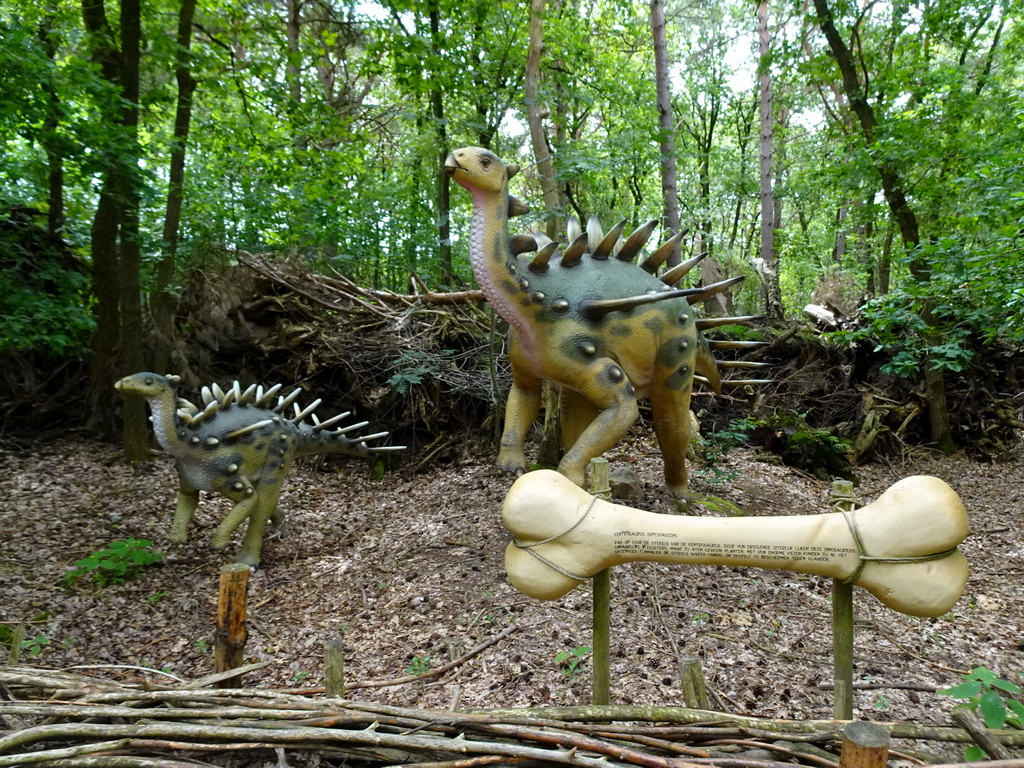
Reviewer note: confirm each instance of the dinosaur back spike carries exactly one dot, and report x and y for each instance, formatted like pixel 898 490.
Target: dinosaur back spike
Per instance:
pixel 522 244
pixel 246 397
pixel 517 207
pixel 608 243
pixel 653 262
pixel 185 416
pixel 331 421
pixel 173 379
pixel 209 411
pixel 573 229
pixel 636 241
pixel 713 322
pixel 594 235
pixel 284 402
pixel 572 255
pixel 680 270
pixel 264 399
pixel 595 309
pixel 218 393
pixel 697 295
pixel 349 428
pixel 300 415
pixel 187 406
pixel 248 428
pixel 539 265
pixel 207 394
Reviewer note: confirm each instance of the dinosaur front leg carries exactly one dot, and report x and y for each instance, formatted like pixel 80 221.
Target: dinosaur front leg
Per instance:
pixel 188 500
pixel 608 388
pixel 671 408
pixel 576 413
pixel 521 410
pixel 265 508
pixel 244 495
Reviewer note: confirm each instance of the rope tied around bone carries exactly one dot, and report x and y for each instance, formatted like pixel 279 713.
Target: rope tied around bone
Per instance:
pixel 864 559
pixel 554 566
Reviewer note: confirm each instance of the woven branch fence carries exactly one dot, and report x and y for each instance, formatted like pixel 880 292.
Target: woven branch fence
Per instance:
pixel 56 718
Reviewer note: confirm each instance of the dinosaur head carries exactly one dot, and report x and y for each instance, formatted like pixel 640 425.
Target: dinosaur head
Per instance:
pixel 147 385
pixel 480 169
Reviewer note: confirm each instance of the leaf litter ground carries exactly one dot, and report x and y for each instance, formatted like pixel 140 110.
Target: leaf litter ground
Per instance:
pixel 408 571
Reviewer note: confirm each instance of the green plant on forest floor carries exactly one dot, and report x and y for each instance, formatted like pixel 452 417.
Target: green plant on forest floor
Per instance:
pixel 118 562
pixel 419 665
pixel 571 660
pixel 989 696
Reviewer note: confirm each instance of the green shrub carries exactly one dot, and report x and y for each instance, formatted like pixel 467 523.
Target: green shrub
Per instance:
pixel 120 561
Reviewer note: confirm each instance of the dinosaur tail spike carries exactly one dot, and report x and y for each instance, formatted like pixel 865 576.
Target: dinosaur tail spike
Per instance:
pixel 653 262
pixel 746 382
pixel 574 253
pixel 730 344
pixel 522 244
pixel 595 309
pixel 300 415
pixel 331 421
pixel 284 402
pixel 264 399
pixel 374 436
pixel 636 241
pixel 608 243
pixel 539 265
pixel 384 448
pixel 248 428
pixel 349 428
pixel 742 364
pixel 680 270
pixel 697 295
pixel 713 322
pixel 706 365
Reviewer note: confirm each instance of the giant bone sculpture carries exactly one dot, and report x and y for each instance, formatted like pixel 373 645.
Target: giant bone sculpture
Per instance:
pixel 901 548
pixel 240 444
pixel 605 330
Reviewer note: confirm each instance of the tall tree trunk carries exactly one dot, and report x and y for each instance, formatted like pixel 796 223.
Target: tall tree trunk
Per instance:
pixel 444 247
pixel 548 451
pixel 771 293
pixel 902 213
pixel 666 123
pixel 163 300
pixel 51 122
pixel 535 120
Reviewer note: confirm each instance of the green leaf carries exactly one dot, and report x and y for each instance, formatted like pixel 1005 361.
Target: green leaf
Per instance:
pixel 993 710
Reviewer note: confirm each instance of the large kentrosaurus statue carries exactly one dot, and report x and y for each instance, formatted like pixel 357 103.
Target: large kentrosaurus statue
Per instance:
pixel 241 445
pixel 602 328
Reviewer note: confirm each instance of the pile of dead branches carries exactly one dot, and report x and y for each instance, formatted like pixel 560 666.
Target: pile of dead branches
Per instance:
pixel 57 718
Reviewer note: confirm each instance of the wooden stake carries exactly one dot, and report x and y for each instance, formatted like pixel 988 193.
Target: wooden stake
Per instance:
pixel 334 668
pixel 865 745
pixel 231 630
pixel 843 498
pixel 691 678
pixel 602 581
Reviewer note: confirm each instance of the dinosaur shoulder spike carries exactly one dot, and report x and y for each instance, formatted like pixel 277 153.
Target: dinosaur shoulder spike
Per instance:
pixel 572 255
pixel 522 244
pixel 573 229
pixel 609 242
pixel 595 309
pixel 674 275
pixel 264 399
pixel 300 415
pixel 331 421
pixel 187 405
pixel 284 402
pixel 248 428
pixel 594 235
pixel 185 416
pixel 697 295
pixel 653 262
pixel 636 241
pixel 713 322
pixel 539 265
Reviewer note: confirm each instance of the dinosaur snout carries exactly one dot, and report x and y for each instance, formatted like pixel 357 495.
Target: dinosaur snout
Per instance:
pixel 451 165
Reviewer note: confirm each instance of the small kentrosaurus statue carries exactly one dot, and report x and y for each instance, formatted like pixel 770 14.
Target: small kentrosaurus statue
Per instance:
pixel 606 331
pixel 241 445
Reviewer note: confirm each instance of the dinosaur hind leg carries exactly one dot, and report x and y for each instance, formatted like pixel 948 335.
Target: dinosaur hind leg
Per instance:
pixel 607 388
pixel 188 500
pixel 264 509
pixel 671 413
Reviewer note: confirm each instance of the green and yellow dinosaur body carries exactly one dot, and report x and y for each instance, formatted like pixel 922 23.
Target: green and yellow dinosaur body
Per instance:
pixel 605 330
pixel 239 444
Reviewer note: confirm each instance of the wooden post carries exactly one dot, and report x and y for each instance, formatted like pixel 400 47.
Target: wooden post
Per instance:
pixel 17 641
pixel 865 745
pixel 842 499
pixel 231 630
pixel 602 581
pixel 334 668
pixel 691 678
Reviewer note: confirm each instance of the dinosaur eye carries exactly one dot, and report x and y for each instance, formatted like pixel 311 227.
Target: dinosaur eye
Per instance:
pixel 485 162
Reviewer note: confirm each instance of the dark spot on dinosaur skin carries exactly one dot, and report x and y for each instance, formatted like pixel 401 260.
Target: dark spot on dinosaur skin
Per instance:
pixel 260 446
pixel 621 330
pixel 509 287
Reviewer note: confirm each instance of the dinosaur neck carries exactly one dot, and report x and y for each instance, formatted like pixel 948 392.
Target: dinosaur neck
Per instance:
pixel 164 422
pixel 490 256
